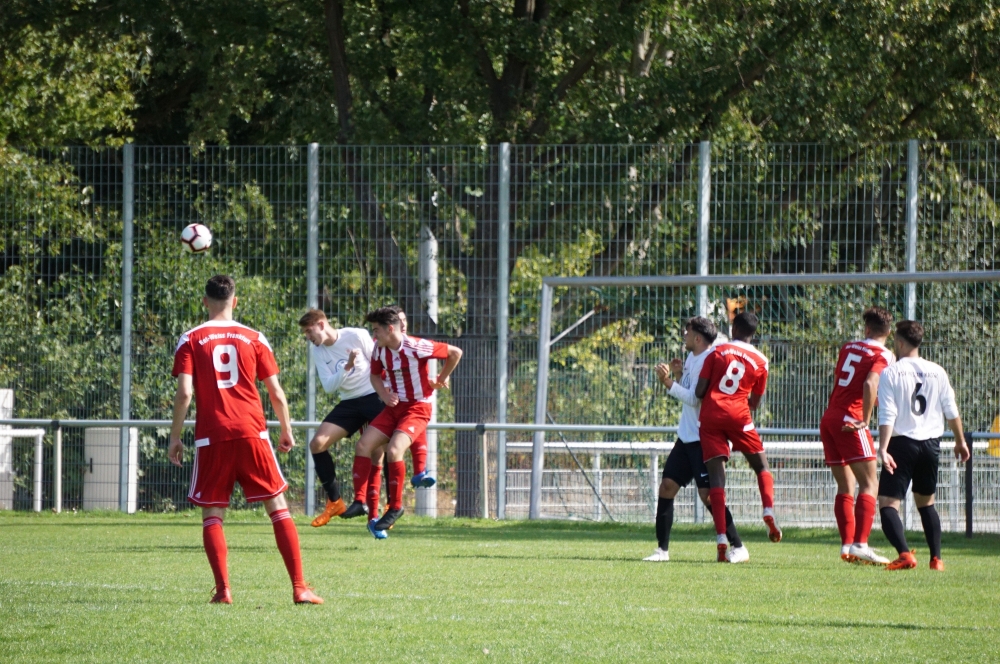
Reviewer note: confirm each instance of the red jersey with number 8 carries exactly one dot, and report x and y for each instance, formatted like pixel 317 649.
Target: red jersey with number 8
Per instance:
pixel 733 370
pixel 857 359
pixel 225 359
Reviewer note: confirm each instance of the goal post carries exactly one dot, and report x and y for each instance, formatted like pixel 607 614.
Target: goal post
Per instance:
pixel 702 283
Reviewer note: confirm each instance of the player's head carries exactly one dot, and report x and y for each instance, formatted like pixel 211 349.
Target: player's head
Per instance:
pixel 699 327
pixel 220 293
pixel 909 336
pixel 314 326
pixel 386 327
pixel 878 322
pixel 402 316
pixel 744 326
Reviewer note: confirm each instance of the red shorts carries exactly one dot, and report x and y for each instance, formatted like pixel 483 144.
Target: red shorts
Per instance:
pixel 218 466
pixel 715 442
pixel 844 447
pixel 409 418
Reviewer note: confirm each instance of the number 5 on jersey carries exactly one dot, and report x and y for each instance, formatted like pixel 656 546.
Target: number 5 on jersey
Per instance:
pixel 231 366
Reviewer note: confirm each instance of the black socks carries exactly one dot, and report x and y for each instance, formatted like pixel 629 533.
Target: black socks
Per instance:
pixel 326 470
pixel 664 521
pixel 892 526
pixel 932 529
pixel 731 534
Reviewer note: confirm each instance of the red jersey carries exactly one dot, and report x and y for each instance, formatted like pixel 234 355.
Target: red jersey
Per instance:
pixel 733 370
pixel 406 368
pixel 857 359
pixel 225 358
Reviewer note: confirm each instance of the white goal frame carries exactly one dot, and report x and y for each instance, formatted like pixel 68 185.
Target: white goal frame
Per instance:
pixel 702 282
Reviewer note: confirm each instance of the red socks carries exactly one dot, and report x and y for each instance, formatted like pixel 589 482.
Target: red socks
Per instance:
pixel 843 509
pixel 215 548
pixel 718 498
pixel 374 489
pixel 765 482
pixel 397 474
pixel 288 544
pixel 864 516
pixel 419 457
pixel 362 466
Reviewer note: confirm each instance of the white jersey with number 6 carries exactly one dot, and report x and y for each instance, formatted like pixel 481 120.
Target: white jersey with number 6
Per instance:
pixel 915 397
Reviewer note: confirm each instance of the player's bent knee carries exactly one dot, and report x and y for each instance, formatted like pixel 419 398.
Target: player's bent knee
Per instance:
pixel 669 488
pixel 276 503
pixel 922 500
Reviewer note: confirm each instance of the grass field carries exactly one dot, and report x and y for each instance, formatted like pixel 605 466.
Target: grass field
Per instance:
pixel 106 588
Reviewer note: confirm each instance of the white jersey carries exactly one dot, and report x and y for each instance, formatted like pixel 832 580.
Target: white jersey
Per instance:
pixel 915 396
pixel 331 360
pixel 683 390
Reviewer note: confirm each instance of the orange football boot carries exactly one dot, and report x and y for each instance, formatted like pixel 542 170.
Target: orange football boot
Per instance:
pixel 773 531
pixel 221 596
pixel 905 561
pixel 937 564
pixel 333 508
pixel 305 595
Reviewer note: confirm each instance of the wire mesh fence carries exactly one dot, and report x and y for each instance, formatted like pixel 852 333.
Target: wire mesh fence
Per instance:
pixel 390 216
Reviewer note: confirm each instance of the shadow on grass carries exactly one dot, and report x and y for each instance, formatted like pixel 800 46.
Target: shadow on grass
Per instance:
pixel 850 624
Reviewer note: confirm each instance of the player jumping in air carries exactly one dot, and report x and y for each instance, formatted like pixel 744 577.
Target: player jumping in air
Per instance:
pixel 408 409
pixel 685 462
pixel 731 384
pixel 341 358
pixel 847 443
pixel 219 362
pixel 914 399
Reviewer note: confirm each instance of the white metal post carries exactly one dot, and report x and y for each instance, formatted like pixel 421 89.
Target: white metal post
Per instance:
pixel 427 267
pixel 541 402
pixel 36 496
pixel 57 471
pixel 912 176
pixel 312 301
pixel 503 310
pixel 704 200
pixel 595 466
pixel 484 474
pixel 654 479
pixel 128 212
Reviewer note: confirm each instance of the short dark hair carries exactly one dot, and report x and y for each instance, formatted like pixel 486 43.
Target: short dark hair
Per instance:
pixel 384 316
pixel 311 317
pixel 878 320
pixel 911 331
pixel 220 288
pixel 745 324
pixel 704 327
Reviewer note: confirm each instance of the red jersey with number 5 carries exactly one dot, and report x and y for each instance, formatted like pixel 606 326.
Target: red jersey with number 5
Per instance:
pixel 225 359
pixel 733 370
pixel 857 359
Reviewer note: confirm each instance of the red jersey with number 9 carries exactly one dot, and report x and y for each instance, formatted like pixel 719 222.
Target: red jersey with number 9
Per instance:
pixel 733 370
pixel 225 359
pixel 857 359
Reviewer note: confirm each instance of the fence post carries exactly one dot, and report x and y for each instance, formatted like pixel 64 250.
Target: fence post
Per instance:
pixel 312 301
pixel 484 473
pixel 912 173
pixel 128 211
pixel 427 267
pixel 541 402
pixel 595 466
pixel 57 471
pixel 503 307
pixel 968 494
pixel 704 199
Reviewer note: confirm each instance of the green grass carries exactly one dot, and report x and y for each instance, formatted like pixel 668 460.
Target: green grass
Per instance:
pixel 105 588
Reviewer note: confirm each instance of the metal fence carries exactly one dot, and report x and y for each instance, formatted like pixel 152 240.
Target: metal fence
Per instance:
pixel 96 290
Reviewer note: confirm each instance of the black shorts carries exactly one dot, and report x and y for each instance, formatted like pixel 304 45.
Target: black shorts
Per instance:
pixel 684 463
pixel 916 460
pixel 352 414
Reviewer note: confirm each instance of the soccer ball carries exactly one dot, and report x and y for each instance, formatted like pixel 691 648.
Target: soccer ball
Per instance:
pixel 196 238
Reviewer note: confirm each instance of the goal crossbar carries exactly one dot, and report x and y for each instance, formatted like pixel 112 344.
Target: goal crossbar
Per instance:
pixel 549 284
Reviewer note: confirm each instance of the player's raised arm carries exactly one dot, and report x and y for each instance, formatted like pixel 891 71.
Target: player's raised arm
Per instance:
pixel 286 441
pixel 182 401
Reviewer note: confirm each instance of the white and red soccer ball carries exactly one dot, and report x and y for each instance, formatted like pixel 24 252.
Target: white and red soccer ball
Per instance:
pixel 196 238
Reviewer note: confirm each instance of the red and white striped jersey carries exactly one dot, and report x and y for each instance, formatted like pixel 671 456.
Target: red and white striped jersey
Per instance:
pixel 406 367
